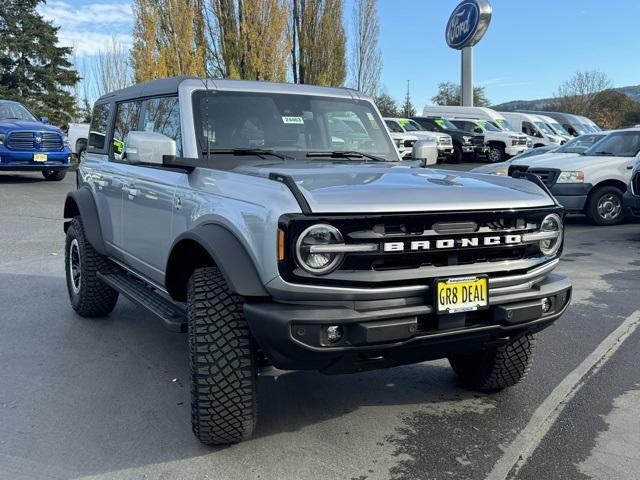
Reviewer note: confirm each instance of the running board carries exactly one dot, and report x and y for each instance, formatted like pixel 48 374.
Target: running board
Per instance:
pixel 138 292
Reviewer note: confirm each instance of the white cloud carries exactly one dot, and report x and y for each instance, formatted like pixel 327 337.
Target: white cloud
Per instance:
pixel 89 27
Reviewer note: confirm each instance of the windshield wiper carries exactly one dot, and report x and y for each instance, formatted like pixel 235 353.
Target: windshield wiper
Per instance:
pixel 605 153
pixel 259 152
pixel 348 154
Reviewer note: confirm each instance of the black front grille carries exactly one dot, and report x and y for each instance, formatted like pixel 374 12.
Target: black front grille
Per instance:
pixel 549 176
pixel 478 140
pixel 519 141
pixel 357 268
pixel 46 141
pixel 635 184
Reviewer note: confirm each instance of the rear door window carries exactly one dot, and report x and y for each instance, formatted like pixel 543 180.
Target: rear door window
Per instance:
pixel 98 128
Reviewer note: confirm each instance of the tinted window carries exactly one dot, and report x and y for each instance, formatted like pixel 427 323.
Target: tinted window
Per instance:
pixel 393 126
pixel 15 111
pixel 98 128
pixel 127 119
pixel 162 115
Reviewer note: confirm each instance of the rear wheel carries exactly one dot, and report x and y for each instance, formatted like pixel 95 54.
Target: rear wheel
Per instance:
pixel 54 175
pixel 496 154
pixel 605 206
pixel 496 368
pixel 223 361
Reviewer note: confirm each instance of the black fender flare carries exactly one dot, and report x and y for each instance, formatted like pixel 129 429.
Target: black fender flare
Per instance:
pixel 224 248
pixel 82 203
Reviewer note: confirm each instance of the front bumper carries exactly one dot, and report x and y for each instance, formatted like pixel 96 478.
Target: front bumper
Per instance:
pixel 11 160
pixel 632 204
pixel 382 333
pixel 445 150
pixel 515 150
pixel 572 196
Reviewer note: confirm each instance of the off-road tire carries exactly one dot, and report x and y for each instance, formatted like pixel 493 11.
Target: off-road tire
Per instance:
pixel 497 368
pixel 222 357
pixel 496 154
pixel 594 213
pixel 54 175
pixel 94 298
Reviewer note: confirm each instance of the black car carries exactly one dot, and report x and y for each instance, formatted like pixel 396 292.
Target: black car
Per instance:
pixel 466 145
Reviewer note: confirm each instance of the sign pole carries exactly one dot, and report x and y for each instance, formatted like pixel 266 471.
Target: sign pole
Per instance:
pixel 466 89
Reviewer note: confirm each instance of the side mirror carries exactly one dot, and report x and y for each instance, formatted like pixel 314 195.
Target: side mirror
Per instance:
pixel 148 147
pixel 44 119
pixel 426 151
pixel 478 130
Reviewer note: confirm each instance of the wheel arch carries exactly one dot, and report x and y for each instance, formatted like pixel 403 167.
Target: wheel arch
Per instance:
pixel 498 143
pixel 81 203
pixel 211 245
pixel 610 182
pixel 80 142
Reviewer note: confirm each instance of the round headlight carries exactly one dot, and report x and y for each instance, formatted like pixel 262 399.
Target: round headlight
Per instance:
pixel 309 249
pixel 551 224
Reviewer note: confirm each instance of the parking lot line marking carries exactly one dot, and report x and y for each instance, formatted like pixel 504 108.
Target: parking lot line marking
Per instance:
pixel 525 443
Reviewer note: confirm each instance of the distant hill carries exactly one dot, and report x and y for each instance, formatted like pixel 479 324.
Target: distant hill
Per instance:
pixel 633 92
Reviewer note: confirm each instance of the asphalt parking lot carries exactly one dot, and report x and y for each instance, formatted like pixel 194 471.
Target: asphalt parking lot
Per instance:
pixel 109 398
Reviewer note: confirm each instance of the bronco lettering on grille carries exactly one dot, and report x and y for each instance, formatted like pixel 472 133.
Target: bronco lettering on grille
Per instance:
pixel 448 243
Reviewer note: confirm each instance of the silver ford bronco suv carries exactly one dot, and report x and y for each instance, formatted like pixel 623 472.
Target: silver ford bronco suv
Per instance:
pixel 242 213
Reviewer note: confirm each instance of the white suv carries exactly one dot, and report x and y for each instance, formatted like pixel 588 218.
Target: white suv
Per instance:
pixel 411 127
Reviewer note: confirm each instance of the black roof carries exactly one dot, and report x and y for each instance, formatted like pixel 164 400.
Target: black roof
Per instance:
pixel 165 86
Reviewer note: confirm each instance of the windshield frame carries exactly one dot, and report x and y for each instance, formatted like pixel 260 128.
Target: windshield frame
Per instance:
pixel 377 123
pixel 20 107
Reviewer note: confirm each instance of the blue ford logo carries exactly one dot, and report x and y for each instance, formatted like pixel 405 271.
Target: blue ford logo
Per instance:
pixel 468 23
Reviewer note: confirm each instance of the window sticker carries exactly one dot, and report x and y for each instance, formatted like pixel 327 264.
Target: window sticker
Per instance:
pixel 149 126
pixel 440 122
pixel 293 120
pixel 372 120
pixel 403 122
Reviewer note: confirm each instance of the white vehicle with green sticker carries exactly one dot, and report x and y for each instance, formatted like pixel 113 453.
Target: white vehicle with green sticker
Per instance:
pixel 411 127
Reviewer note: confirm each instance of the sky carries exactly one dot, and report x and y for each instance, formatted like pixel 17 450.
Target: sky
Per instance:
pixel 530 48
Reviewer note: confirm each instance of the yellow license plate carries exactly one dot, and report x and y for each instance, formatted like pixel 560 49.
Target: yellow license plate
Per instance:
pixel 39 157
pixel 463 294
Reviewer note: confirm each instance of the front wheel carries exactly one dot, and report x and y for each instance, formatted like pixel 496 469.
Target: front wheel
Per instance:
pixel 89 296
pixel 605 206
pixel 457 155
pixel 496 368
pixel 496 154
pixel 223 361
pixel 54 175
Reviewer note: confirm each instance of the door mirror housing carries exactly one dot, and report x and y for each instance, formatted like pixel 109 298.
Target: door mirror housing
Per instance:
pixel 425 151
pixel 44 120
pixel 148 148
pixel 478 130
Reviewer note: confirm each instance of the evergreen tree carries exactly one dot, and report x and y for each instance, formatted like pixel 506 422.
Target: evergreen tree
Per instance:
pixel 34 70
pixel 386 105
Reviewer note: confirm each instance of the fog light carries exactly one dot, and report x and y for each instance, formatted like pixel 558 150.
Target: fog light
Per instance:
pixel 546 305
pixel 334 333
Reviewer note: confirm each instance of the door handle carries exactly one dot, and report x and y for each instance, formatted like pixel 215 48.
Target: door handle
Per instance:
pixel 629 167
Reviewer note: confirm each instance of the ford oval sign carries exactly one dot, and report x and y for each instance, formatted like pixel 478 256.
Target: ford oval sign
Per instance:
pixel 468 23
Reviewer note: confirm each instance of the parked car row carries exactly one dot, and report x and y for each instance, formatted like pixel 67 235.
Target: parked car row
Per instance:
pixel 593 174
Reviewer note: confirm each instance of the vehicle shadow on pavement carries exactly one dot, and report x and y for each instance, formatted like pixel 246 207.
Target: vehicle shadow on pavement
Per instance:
pixel 115 390
pixel 17 179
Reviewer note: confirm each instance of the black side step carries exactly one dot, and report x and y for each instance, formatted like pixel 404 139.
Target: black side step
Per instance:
pixel 174 318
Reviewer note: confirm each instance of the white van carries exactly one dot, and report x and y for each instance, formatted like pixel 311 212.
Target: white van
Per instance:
pixel 533 127
pixel 555 126
pixel 503 141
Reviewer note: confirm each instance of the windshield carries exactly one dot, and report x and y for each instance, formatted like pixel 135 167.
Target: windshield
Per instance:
pixel 446 124
pixel 408 126
pixel 579 144
pixel 15 111
pixel 417 127
pixel 587 128
pixel 295 124
pixel 545 128
pixel 489 126
pixel 505 125
pixel 559 129
pixel 619 144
